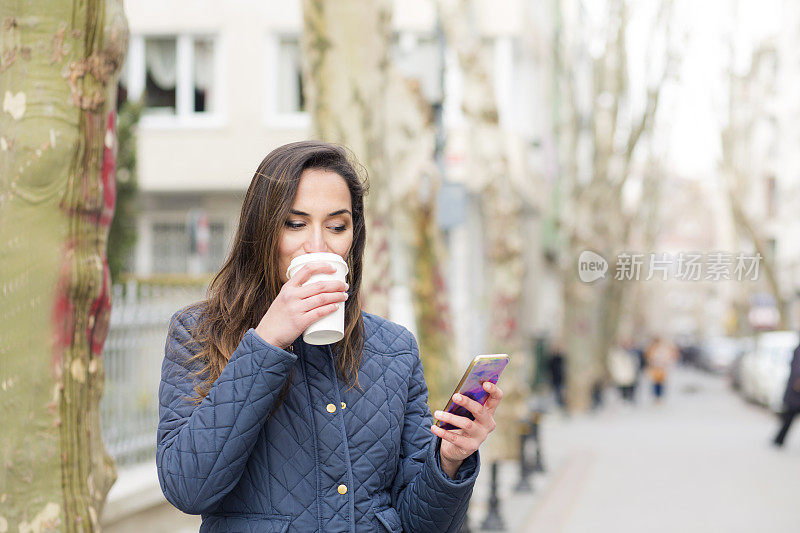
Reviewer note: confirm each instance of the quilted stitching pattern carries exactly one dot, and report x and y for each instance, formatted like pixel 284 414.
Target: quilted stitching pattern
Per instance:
pixel 220 459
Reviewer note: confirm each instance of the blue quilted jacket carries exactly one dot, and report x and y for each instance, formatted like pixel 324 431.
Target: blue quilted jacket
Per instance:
pixel 330 459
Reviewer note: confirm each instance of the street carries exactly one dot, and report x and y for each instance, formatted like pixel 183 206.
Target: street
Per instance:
pixel 701 461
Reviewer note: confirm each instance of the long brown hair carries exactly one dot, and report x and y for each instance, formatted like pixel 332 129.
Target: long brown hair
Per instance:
pixel 249 281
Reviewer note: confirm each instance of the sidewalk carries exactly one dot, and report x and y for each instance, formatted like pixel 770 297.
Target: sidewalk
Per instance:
pixel 698 462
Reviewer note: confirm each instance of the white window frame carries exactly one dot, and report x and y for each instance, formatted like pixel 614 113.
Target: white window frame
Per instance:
pixel 273 117
pixel 185 116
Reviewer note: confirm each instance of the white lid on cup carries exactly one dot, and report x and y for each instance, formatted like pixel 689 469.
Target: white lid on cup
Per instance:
pixel 316 257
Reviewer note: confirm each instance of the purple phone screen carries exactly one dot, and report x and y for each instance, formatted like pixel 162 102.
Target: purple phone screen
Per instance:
pixel 487 370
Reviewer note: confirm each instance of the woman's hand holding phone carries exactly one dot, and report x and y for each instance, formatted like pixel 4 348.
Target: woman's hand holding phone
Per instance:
pixel 296 307
pixel 458 444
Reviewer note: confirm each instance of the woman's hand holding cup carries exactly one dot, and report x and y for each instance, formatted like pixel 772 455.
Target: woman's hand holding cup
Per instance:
pixel 297 307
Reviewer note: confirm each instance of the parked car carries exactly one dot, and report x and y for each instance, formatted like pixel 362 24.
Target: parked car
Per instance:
pixel 746 345
pixel 765 369
pixel 717 354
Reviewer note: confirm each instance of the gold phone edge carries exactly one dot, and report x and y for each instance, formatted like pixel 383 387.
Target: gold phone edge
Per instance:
pixel 475 360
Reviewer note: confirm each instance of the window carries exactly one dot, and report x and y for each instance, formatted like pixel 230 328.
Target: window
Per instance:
pixel 203 75
pixel 161 73
pixel 176 74
pixel 772 248
pixel 285 104
pixel 172 248
pixel 290 77
pixel 218 247
pixel 419 57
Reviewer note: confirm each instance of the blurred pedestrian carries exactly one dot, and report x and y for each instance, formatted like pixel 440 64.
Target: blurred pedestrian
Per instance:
pixel 660 356
pixel 556 371
pixel 623 366
pixel 791 399
pixel 597 394
pixel 638 351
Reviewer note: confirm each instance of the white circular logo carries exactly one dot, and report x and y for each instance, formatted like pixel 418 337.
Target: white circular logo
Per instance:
pixel 591 266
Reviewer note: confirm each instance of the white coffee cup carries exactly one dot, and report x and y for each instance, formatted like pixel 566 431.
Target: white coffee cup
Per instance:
pixel 330 328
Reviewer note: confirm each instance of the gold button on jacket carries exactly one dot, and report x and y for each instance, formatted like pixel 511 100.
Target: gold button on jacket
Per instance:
pixel 331 408
pixel 342 489
pixel 344 405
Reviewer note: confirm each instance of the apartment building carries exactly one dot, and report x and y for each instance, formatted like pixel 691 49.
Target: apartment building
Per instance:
pixel 222 87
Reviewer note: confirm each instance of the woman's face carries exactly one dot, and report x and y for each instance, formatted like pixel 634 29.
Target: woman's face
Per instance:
pixel 321 218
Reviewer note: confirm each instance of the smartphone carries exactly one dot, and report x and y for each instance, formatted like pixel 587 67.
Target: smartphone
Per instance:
pixel 482 368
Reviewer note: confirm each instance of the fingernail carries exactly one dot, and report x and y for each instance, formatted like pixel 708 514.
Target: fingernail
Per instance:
pixel 437 414
pixel 457 397
pixel 346 296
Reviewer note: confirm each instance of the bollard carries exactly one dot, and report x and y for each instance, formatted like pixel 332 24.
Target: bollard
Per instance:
pixel 524 485
pixel 493 520
pixel 538 465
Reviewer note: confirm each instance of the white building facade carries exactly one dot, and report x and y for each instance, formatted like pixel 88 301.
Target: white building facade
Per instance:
pixel 222 86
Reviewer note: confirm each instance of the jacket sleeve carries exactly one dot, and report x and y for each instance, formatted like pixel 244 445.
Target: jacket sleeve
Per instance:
pixel 202 449
pixel 425 497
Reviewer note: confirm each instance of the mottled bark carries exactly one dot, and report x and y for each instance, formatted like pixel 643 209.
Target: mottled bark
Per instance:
pixel 345 73
pixel 58 84
pixel 414 186
pixel 501 207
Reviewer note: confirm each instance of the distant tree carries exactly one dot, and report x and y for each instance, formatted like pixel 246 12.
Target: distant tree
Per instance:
pixel 603 119
pixel 743 173
pixel 59 67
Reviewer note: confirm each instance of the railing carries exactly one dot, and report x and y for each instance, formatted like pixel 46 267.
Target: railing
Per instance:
pixel 133 353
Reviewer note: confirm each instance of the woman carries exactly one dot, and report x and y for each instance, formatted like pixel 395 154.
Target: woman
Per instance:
pixel 623 369
pixel 661 355
pixel 260 431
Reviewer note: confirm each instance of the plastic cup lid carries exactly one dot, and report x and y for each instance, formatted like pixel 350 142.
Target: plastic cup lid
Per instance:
pixel 316 257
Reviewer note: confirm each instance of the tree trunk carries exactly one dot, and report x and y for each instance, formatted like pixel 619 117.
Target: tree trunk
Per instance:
pixel 743 176
pixel 501 209
pixel 345 74
pixel 768 262
pixel 414 186
pixel 581 327
pixel 59 65
pixel 594 218
pixel 431 307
